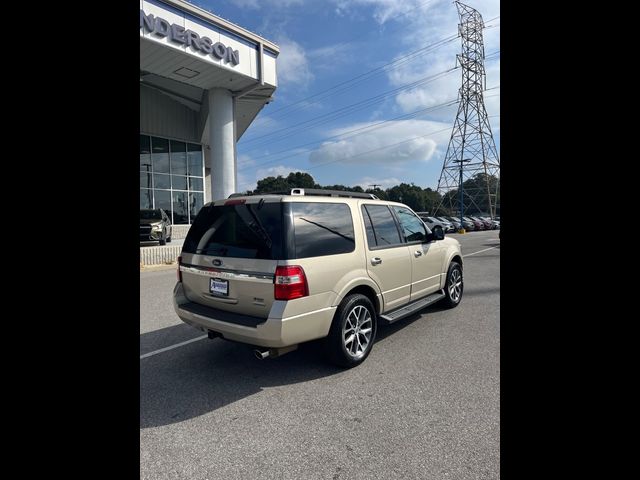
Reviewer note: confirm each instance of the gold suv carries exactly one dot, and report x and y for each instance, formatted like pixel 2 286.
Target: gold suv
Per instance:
pixel 278 270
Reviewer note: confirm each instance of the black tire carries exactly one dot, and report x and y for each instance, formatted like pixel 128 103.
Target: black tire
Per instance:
pixel 452 294
pixel 354 307
pixel 168 239
pixel 163 239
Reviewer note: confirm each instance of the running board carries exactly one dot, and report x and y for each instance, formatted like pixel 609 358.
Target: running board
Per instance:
pixel 412 307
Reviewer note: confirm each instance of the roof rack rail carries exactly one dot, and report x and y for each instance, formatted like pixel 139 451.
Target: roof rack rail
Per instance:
pixel 325 193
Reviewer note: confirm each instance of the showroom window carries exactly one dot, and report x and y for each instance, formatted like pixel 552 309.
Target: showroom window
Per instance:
pixel 171 177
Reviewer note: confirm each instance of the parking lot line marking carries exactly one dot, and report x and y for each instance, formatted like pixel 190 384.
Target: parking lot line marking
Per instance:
pixel 155 352
pixel 480 251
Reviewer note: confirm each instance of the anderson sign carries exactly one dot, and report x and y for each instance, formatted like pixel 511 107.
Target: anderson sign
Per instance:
pixel 178 34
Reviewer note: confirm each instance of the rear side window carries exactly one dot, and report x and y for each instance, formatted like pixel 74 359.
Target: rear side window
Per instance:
pixel 240 231
pixel 380 226
pixel 322 229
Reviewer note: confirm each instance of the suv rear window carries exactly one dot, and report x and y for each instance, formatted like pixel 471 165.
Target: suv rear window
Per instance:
pixel 240 231
pixel 322 229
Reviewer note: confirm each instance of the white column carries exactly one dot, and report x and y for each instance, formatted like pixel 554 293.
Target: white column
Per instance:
pixel 222 141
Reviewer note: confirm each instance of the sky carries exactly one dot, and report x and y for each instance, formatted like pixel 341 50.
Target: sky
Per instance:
pixel 366 88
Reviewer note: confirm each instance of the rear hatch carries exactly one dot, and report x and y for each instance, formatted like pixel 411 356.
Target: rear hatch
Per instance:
pixel 230 255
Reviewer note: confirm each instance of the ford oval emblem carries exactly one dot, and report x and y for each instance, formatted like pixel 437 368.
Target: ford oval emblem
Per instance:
pixel 217 262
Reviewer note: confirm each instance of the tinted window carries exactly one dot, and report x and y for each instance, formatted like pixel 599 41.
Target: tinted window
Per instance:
pixel 384 229
pixel 180 208
pixel 160 154
pixel 178 158
pixel 146 201
pixel 241 231
pixel 322 229
pixel 412 227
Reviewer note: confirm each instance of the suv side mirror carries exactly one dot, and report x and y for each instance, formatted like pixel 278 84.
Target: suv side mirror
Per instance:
pixel 437 234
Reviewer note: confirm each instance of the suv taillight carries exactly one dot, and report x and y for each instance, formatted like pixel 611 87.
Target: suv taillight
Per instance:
pixel 290 282
pixel 179 272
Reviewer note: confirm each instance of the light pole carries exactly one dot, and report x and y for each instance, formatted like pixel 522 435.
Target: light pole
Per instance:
pixel 461 162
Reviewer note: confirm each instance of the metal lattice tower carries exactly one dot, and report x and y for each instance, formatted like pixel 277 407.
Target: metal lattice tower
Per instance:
pixel 471 156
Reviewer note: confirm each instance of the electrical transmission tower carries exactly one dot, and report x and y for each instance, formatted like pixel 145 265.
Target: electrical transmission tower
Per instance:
pixel 470 178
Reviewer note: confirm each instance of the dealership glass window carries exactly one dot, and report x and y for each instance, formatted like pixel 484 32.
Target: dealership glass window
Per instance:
pixel 194 155
pixel 178 182
pixel 195 183
pixel 162 181
pixel 178 158
pixel 145 153
pixel 160 155
pixel 162 199
pixel 180 211
pixel 146 198
pixel 145 180
pixel 164 165
pixel 196 200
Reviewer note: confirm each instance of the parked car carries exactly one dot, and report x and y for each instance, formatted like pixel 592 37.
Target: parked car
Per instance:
pixel 476 223
pixel 446 221
pixel 155 226
pixel 488 225
pixel 277 270
pixel 493 223
pixel 468 224
pixel 454 221
pixel 431 222
pixel 446 224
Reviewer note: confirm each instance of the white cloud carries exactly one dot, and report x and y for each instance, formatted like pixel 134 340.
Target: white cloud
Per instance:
pixel 383 10
pixel 293 66
pixel 397 141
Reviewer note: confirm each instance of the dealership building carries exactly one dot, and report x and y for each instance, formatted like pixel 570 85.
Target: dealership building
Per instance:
pixel 203 80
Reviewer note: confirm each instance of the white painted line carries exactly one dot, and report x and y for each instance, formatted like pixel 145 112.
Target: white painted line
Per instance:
pixel 172 347
pixel 480 251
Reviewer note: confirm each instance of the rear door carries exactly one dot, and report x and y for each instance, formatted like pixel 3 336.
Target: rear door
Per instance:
pixel 388 259
pixel 230 255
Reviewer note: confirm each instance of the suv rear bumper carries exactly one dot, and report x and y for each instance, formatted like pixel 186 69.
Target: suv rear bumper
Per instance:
pixel 273 332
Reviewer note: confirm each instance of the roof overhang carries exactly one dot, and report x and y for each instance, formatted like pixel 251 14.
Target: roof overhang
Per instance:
pixel 186 51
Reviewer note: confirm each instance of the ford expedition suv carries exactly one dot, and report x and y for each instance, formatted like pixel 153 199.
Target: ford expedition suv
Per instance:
pixel 277 270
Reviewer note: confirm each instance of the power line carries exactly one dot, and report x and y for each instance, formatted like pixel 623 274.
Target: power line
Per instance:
pixel 350 42
pixel 399 61
pixel 410 54
pixel 362 130
pixel 367 129
pixel 334 115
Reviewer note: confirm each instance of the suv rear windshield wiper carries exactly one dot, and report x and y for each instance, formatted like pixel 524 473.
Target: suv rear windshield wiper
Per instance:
pixel 256 225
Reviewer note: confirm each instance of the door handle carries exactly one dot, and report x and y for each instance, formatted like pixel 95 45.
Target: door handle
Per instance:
pixel 376 261
pixel 418 253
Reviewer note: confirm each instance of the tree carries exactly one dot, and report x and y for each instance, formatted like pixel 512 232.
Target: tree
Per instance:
pixel 301 180
pixel 411 195
pixel 272 184
pixel 281 184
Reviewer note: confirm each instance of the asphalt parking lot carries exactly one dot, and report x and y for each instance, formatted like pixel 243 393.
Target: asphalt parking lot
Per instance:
pixel 424 405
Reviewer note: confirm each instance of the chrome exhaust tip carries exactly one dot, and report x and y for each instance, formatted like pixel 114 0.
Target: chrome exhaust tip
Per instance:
pixel 261 354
